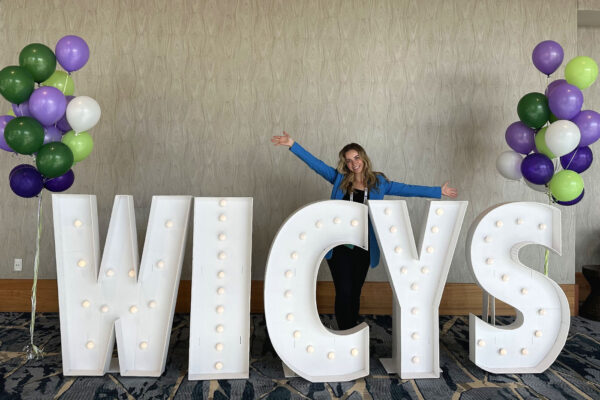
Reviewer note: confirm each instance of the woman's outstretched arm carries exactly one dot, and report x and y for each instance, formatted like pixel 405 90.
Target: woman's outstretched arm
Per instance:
pixel 327 172
pixel 402 189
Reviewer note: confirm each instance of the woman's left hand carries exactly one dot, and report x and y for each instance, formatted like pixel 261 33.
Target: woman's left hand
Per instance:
pixel 449 191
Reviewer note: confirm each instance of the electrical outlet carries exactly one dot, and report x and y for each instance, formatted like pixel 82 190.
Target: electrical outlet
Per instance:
pixel 18 265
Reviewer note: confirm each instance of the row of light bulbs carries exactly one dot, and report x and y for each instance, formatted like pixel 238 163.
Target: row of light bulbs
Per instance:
pixel 222 236
pixel 505 278
pixel 288 293
pixel 424 270
pixel 160 264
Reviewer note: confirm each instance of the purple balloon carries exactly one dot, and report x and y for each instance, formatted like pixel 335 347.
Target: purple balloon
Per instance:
pixel 565 101
pixel 3 121
pixel 547 56
pixel 18 167
pixel 588 122
pixel 72 52
pixel 520 137
pixel 47 104
pixel 537 168
pixel 60 183
pixel 52 134
pixel 62 123
pixel 578 160
pixel 552 85
pixel 26 181
pixel 22 110
pixel 572 202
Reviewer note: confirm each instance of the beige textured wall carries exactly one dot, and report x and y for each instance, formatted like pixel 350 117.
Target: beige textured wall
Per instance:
pixel 191 92
pixel 587 248
pixel 588 4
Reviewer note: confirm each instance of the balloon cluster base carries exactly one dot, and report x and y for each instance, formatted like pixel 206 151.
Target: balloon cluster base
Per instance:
pixel 33 352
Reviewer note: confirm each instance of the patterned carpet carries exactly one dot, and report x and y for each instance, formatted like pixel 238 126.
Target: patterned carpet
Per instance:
pixel 574 375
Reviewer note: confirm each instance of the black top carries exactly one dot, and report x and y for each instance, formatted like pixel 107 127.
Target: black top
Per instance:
pixel 359 196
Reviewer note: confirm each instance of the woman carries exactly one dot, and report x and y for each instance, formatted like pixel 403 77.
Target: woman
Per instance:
pixel 355 180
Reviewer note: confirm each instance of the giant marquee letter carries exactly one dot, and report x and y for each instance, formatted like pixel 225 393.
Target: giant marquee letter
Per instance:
pixel 417 280
pixel 296 332
pixel 97 300
pixel 534 340
pixel 220 314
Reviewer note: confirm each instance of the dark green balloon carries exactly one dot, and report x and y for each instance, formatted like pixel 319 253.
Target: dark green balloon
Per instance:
pixel 552 118
pixel 25 135
pixel 533 110
pixel 54 159
pixel 39 60
pixel 16 84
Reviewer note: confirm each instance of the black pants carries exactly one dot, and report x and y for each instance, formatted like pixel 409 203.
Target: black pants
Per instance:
pixel 349 269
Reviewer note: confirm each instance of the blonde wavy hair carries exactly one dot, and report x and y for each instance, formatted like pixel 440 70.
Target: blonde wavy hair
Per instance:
pixel 370 176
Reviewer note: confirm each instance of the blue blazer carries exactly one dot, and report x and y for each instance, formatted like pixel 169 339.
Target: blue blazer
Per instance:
pixel 384 187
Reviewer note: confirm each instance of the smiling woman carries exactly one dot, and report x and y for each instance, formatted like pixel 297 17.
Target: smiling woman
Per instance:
pixel 356 167
pixel 355 180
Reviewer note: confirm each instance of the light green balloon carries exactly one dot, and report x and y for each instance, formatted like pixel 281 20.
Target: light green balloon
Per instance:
pixel 581 71
pixel 566 185
pixel 62 81
pixel 540 143
pixel 81 144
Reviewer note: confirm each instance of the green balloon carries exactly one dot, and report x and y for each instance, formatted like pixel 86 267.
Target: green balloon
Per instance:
pixel 39 60
pixel 54 159
pixel 552 118
pixel 62 81
pixel 16 84
pixel 566 185
pixel 25 135
pixel 533 110
pixel 540 143
pixel 581 72
pixel 81 144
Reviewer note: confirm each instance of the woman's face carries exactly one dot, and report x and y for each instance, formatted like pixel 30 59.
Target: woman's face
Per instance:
pixel 354 162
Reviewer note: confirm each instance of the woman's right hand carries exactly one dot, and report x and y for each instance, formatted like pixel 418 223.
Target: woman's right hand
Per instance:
pixel 284 140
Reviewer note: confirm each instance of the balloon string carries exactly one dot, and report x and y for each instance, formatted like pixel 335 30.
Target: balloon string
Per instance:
pixel 572 157
pixel 547 83
pixel 550 198
pixel 65 87
pixel 550 201
pixel 547 253
pixel 32 351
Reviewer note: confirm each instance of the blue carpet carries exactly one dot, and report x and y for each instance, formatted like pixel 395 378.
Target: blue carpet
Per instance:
pixel 574 375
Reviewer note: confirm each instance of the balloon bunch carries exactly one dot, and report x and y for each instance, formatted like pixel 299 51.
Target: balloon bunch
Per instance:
pixel 49 122
pixel 553 126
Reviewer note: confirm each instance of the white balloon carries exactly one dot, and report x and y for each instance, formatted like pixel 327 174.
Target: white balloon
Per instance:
pixel 83 113
pixel 562 137
pixel 539 188
pixel 508 164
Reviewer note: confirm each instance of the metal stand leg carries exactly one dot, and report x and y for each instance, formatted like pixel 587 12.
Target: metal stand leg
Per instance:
pixel 489 308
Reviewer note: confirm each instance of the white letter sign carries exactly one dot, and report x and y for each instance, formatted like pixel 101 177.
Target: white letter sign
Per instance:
pixel 534 340
pixel 220 314
pixel 98 299
pixel 417 279
pixel 296 332
pixel 116 297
